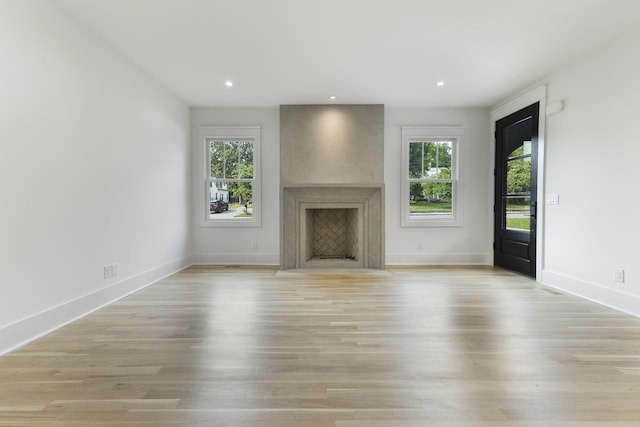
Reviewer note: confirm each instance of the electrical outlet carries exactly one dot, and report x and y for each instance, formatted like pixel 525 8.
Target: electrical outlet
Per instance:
pixel 254 245
pixel 420 245
pixel 110 270
pixel 618 275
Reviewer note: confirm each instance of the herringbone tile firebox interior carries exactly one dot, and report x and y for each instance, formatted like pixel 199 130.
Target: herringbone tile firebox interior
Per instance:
pixel 335 233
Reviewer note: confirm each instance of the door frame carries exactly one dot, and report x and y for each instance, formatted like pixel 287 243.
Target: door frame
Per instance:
pixel 501 111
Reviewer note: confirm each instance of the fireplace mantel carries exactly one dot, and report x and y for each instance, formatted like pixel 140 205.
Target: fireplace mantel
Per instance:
pixel 366 198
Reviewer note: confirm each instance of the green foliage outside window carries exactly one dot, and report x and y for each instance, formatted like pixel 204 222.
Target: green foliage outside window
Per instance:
pixel 518 172
pixel 232 166
pixel 430 162
pixel 438 191
pixel 231 159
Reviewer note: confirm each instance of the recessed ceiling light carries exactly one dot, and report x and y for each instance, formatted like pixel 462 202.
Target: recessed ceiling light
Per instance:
pixel 440 83
pixel 332 97
pixel 228 83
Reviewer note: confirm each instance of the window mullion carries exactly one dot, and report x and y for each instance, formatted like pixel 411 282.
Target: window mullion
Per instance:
pixel 224 159
pixel 422 160
pixel 238 150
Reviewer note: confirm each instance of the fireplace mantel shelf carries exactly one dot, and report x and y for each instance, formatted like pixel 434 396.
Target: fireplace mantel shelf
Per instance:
pixel 337 185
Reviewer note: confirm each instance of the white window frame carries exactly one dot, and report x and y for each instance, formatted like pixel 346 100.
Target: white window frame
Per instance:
pixel 432 133
pixel 249 133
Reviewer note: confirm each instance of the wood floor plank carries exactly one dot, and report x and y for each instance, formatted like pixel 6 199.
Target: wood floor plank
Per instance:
pixel 246 346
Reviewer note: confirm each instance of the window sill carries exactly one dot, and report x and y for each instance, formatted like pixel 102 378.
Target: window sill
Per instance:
pixel 238 222
pixel 430 223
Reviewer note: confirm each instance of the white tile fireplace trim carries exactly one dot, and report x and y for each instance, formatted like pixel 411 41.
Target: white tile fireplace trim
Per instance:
pixel 371 196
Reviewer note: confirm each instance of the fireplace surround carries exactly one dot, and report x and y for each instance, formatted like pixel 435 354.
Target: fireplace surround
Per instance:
pixel 332 226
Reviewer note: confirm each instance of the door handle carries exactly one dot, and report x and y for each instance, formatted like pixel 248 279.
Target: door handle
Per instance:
pixel 533 212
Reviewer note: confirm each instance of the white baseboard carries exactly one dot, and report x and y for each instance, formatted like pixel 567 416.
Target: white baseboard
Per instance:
pixel 24 331
pixel 391 259
pixel 593 292
pixel 438 259
pixel 236 259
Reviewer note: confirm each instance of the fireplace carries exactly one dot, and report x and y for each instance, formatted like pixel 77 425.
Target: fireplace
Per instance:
pixel 332 226
pixel 332 186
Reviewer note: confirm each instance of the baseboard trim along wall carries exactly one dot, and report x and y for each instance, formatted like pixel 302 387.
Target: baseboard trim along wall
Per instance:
pixel 593 292
pixel 236 259
pixel 269 259
pixel 24 331
pixel 439 259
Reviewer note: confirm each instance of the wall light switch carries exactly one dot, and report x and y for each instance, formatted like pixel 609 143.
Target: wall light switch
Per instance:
pixel 553 199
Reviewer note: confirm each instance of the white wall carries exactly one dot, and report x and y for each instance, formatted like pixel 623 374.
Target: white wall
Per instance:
pixel 470 243
pixel 94 170
pixel 235 245
pixel 592 154
pixel 467 244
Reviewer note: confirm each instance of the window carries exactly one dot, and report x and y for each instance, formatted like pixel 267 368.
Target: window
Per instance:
pixel 430 176
pixel 231 184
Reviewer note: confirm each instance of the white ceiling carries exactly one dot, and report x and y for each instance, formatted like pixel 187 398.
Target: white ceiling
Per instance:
pixel 363 51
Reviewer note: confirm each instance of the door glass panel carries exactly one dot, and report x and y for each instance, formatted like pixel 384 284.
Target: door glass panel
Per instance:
pixel 519 176
pixel 517 211
pixel 516 135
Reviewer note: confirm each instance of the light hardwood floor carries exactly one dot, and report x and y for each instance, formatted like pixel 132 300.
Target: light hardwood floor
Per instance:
pixel 408 347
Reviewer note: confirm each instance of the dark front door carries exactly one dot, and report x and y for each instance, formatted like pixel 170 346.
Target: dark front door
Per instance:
pixel 515 191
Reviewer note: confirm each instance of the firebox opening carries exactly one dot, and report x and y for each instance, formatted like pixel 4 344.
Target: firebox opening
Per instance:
pixel 332 234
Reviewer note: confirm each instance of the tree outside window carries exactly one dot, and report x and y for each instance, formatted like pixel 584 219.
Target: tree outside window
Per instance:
pixel 231 176
pixel 231 170
pixel 430 179
pixel 430 176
